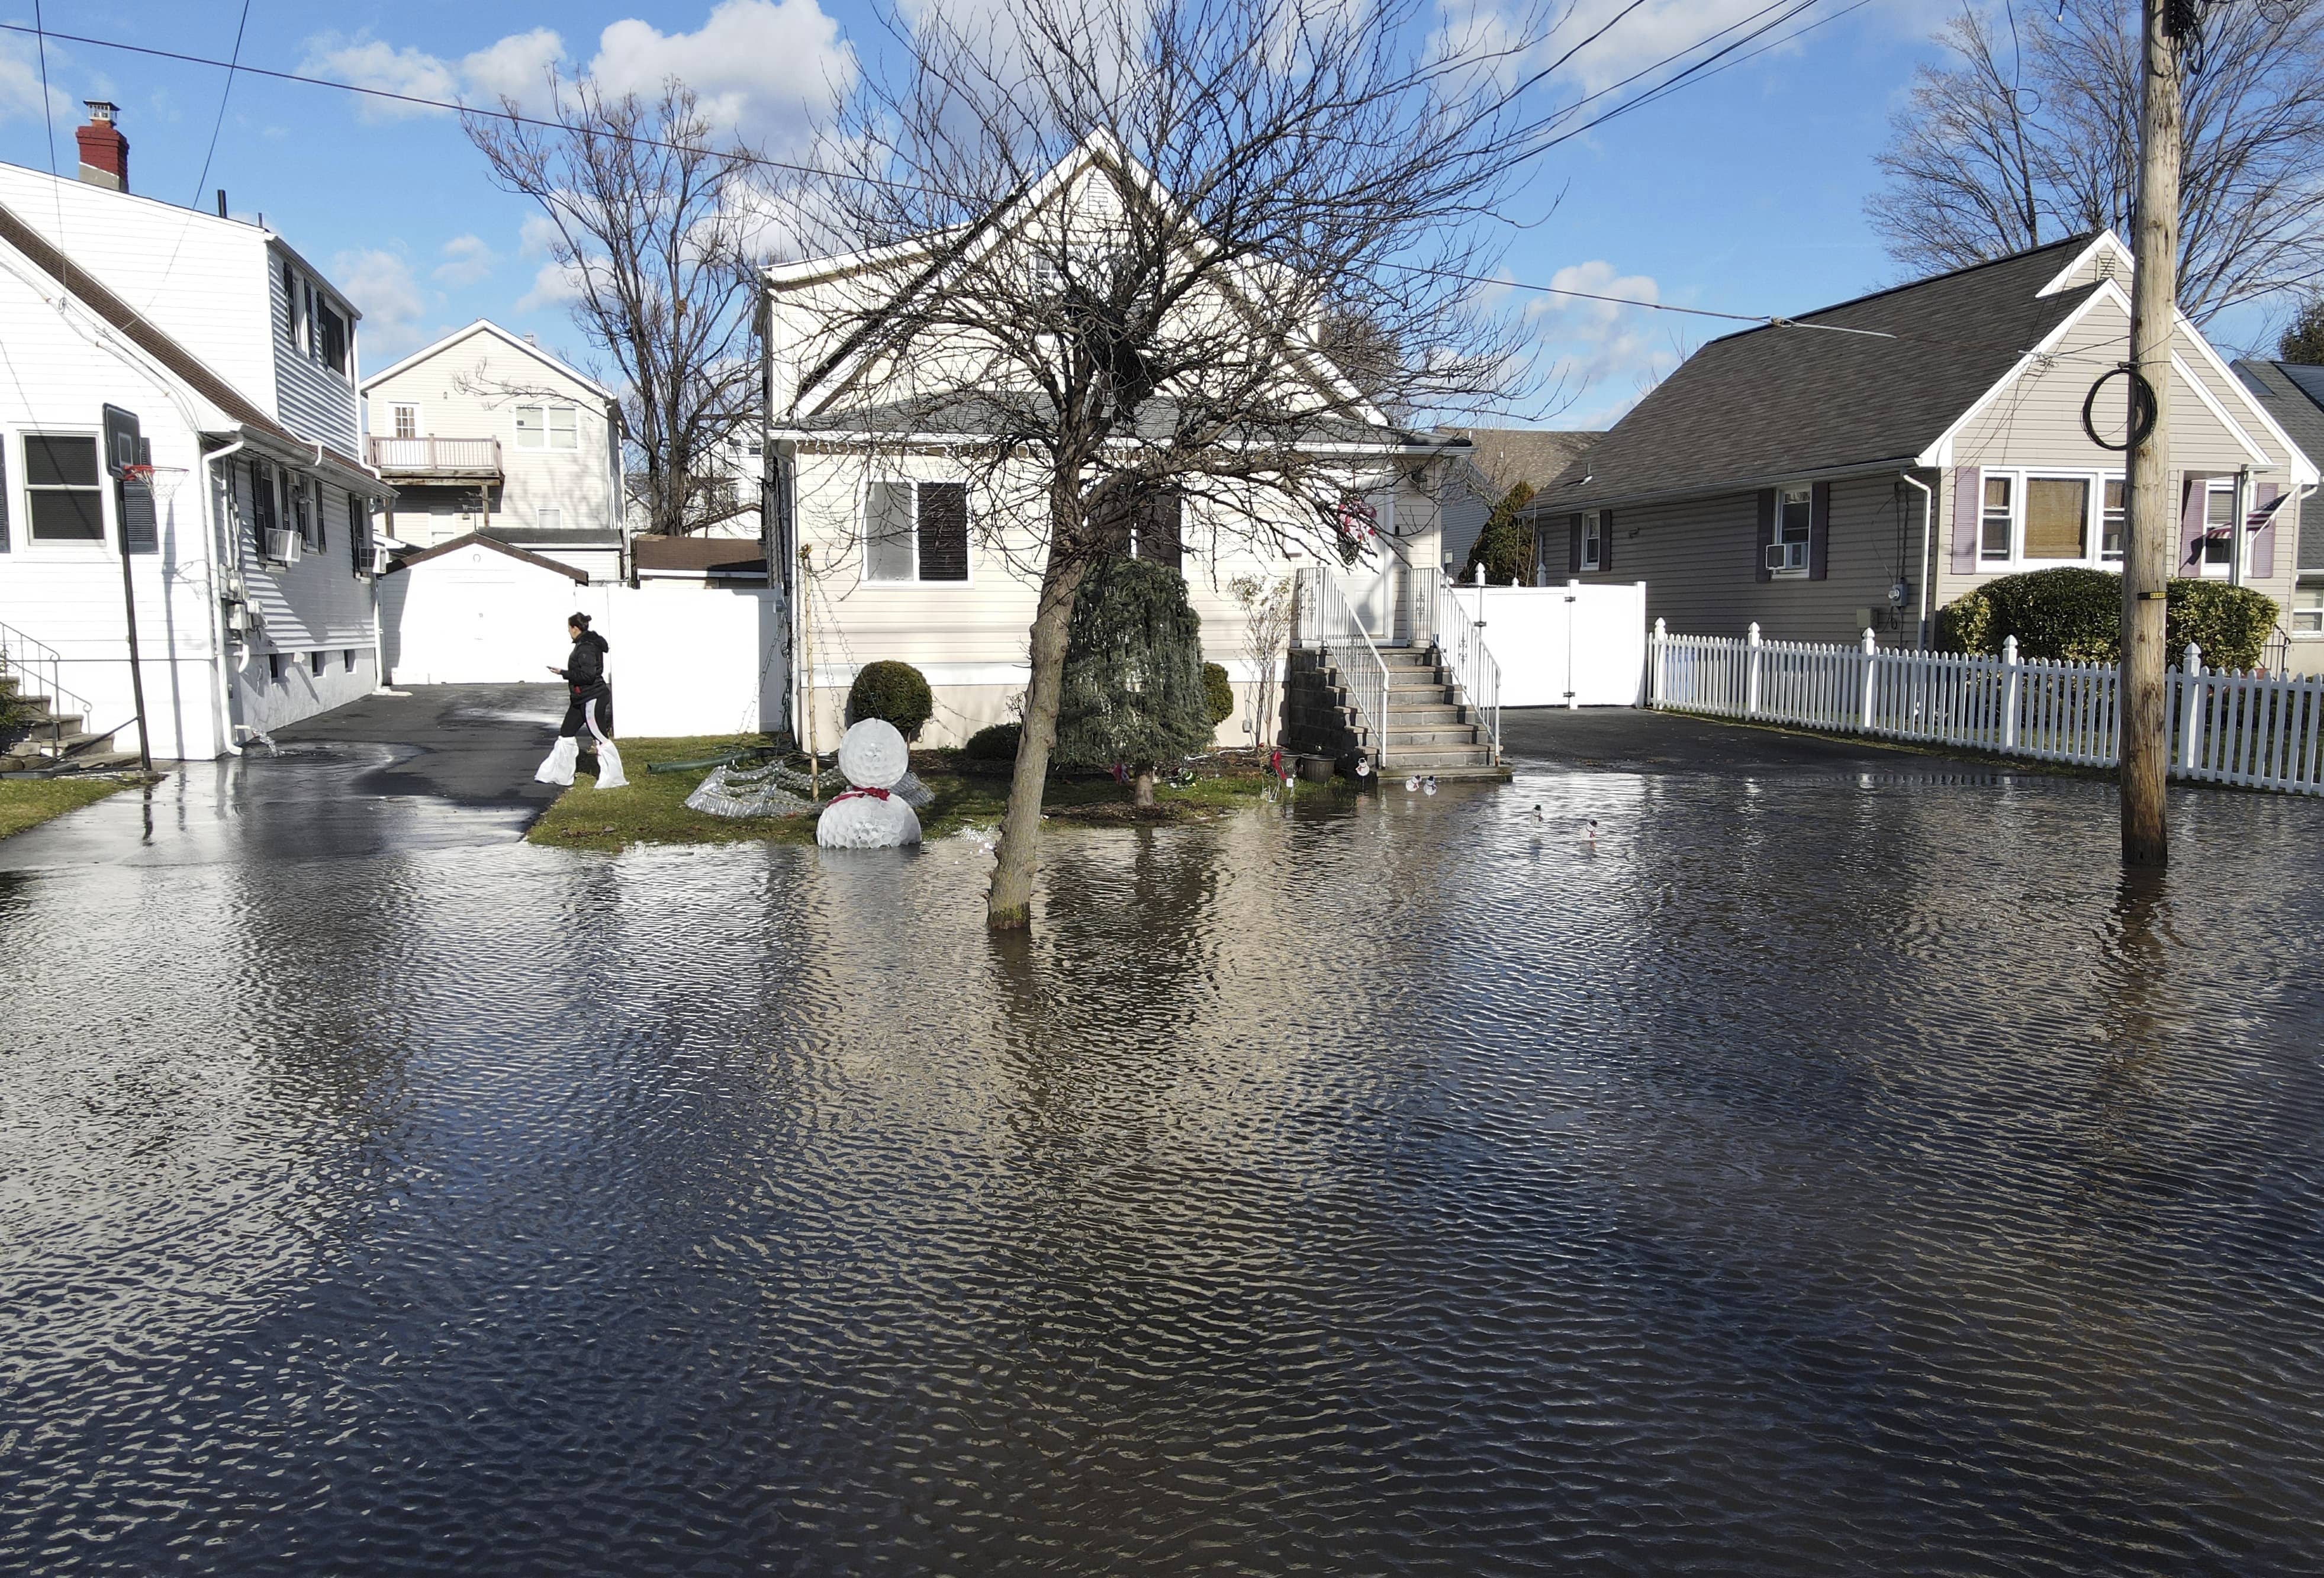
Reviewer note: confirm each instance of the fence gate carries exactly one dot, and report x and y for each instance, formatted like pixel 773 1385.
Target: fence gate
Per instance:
pixel 1574 645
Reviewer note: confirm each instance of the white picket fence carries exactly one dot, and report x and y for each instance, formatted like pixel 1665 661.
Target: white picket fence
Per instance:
pixel 2256 729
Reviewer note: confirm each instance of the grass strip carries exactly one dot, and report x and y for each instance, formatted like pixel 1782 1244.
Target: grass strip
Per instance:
pixel 27 802
pixel 653 810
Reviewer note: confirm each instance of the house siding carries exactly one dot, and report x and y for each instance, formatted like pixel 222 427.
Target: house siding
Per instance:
pixel 310 400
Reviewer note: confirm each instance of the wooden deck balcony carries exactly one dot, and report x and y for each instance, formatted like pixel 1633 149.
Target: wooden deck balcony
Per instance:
pixel 449 460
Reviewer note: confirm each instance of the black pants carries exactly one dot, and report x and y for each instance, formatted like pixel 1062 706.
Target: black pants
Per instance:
pixel 577 713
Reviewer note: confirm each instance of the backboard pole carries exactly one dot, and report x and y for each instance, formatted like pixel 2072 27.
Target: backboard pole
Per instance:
pixel 124 447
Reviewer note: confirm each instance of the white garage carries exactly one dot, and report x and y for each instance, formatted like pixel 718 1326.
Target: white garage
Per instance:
pixel 474 611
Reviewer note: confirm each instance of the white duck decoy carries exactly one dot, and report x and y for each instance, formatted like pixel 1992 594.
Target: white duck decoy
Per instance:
pixel 1539 815
pixel 1590 832
pixel 1412 784
pixel 1428 785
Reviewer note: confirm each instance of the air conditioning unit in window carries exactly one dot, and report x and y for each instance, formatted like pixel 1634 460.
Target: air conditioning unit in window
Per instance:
pixel 282 544
pixel 237 618
pixel 1788 555
pixel 379 558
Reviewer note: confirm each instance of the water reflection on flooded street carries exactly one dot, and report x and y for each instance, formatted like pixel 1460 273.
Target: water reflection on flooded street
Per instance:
pixel 1851 1174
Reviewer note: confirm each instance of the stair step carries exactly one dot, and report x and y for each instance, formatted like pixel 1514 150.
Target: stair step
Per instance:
pixel 1435 758
pixel 1451 734
pixel 1423 715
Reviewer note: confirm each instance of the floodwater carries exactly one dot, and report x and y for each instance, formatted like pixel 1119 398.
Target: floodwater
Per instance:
pixel 1818 1173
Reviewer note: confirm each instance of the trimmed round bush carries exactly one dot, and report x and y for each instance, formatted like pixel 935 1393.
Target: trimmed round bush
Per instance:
pixel 1218 690
pixel 2073 614
pixel 895 692
pixel 994 742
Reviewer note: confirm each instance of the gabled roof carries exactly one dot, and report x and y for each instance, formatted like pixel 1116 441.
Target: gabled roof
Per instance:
pixel 1793 398
pixel 517 343
pixel 187 368
pixel 478 539
pixel 924 258
pixel 1506 457
pixel 2293 395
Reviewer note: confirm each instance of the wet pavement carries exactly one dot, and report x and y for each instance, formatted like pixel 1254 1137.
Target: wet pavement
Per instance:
pixel 1832 1167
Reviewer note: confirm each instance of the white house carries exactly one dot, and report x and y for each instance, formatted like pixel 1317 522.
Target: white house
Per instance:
pixel 908 560
pixel 250 562
pixel 483 431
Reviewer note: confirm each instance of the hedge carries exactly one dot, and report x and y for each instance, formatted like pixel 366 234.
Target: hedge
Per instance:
pixel 1218 690
pixel 897 692
pixel 2072 614
pixel 994 742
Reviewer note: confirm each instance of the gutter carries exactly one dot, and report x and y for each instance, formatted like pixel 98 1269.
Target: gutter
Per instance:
pixel 1927 537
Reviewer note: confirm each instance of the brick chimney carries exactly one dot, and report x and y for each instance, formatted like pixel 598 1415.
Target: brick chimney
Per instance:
pixel 103 150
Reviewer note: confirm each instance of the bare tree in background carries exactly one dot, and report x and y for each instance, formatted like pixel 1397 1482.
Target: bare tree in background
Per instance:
pixel 1271 182
pixel 2031 135
pixel 652 219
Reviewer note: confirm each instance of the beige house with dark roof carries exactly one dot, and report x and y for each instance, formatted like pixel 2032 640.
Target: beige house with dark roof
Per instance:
pixel 1861 465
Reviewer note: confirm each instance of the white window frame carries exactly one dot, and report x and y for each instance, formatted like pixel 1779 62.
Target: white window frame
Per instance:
pixel 1783 563
pixel 21 538
pixel 1593 539
pixel 550 518
pixel 863 536
pixel 2315 632
pixel 2094 554
pixel 543 409
pixel 2217 487
pixel 395 411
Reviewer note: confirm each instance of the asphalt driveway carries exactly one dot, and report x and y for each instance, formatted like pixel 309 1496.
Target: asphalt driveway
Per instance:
pixel 1622 739
pixel 442 766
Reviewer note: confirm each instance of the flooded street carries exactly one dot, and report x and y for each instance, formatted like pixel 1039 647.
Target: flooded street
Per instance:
pixel 1821 1171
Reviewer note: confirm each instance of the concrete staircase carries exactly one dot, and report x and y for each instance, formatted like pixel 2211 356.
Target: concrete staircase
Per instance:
pixel 59 742
pixel 1430 728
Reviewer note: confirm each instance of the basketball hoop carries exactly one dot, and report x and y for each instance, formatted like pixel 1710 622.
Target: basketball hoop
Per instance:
pixel 160 481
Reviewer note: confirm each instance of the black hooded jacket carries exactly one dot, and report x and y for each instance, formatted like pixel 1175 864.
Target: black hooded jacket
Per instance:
pixel 584 671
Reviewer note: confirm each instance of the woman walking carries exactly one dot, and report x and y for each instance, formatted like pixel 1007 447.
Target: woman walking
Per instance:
pixel 590 701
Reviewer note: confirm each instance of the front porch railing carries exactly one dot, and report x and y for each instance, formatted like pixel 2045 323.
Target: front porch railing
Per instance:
pixel 1457 630
pixel 1325 622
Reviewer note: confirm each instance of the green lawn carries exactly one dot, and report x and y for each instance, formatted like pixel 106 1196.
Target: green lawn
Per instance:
pixel 27 802
pixel 652 809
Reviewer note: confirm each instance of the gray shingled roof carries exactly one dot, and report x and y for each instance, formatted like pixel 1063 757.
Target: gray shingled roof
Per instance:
pixel 1509 456
pixel 1782 400
pixel 2293 395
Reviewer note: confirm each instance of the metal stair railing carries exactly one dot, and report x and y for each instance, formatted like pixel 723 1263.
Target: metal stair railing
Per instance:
pixel 24 658
pixel 1460 645
pixel 1325 623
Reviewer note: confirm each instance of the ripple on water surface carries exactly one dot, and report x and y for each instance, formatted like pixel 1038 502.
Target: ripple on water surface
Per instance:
pixel 1809 1173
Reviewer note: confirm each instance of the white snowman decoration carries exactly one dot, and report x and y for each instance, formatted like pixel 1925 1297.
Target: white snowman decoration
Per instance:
pixel 873 758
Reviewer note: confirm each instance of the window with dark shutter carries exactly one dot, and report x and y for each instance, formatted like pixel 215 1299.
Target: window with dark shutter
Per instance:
pixel 943 531
pixel 335 339
pixel 358 535
pixel 261 503
pixel 139 532
pixel 63 492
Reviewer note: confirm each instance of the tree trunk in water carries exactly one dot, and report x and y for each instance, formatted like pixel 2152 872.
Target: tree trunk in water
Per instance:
pixel 1010 905
pixel 1142 795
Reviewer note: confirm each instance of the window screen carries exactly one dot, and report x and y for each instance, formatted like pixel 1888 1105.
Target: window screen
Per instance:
pixel 943 531
pixel 2057 517
pixel 563 427
pixel 61 489
pixel 888 532
pixel 530 434
pixel 1994 526
pixel 2113 524
pixel 2219 525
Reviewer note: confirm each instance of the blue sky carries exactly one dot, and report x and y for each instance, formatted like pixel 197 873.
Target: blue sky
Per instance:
pixel 1743 194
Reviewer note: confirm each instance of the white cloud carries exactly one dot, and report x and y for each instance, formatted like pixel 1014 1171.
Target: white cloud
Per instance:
pixel 1628 41
pixel 554 285
pixel 466 260
pixel 380 286
pixel 1607 354
pixel 517 68
pixel 771 70
pixel 369 62
pixel 538 234
pixel 20 86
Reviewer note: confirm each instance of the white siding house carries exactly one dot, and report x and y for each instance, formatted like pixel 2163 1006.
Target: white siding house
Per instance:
pixel 909 561
pixel 485 431
pixel 252 579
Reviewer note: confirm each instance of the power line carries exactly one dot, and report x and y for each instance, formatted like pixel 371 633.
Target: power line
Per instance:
pixel 225 93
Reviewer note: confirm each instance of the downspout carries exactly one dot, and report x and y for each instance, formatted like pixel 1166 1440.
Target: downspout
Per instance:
pixel 231 542
pixel 1928 538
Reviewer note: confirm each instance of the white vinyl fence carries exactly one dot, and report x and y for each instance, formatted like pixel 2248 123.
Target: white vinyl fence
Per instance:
pixel 2260 730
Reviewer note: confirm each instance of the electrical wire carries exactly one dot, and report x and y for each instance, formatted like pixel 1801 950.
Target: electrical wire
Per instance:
pixel 232 60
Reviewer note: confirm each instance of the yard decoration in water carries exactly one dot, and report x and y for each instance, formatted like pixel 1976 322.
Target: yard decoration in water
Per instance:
pixel 874 760
pixel 1133 690
pixel 893 692
pixel 2074 616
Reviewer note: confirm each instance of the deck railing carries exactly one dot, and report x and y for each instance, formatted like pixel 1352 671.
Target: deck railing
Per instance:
pixel 441 457
pixel 2258 729
pixel 1325 622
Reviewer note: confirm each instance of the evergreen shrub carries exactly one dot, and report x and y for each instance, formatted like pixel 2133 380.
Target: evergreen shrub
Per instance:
pixel 994 742
pixel 1504 545
pixel 1133 682
pixel 1219 692
pixel 2074 615
pixel 894 691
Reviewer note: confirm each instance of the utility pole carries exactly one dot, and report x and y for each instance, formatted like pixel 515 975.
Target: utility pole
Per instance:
pixel 2147 565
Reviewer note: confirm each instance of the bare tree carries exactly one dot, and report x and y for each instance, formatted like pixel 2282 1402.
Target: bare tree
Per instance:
pixel 2030 134
pixel 652 221
pixel 1252 185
